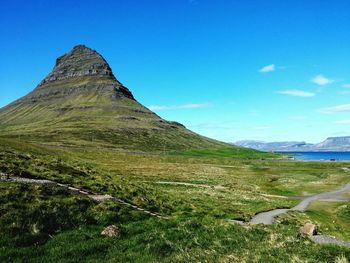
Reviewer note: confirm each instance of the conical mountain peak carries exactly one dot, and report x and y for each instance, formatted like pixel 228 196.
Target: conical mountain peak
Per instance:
pixel 80 71
pixel 81 103
pixel 80 61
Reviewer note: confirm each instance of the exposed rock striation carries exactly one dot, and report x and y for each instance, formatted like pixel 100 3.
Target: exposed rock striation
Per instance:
pixel 80 70
pixel 81 61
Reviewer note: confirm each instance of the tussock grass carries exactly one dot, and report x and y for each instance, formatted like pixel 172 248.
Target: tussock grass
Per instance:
pixel 197 228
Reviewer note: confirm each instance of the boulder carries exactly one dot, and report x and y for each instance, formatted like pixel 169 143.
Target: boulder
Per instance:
pixel 111 231
pixel 308 229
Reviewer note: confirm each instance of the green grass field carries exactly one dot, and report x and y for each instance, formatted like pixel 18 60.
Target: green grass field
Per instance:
pixel 198 192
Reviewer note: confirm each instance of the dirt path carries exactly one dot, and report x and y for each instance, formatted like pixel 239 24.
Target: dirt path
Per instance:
pixel 92 195
pixel 268 217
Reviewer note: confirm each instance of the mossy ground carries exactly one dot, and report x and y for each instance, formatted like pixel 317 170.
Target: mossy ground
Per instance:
pixel 45 224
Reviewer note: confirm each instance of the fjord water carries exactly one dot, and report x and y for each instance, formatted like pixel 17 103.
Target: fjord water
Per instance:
pixel 320 156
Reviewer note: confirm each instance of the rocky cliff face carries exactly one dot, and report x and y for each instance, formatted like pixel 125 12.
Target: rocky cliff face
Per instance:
pixel 80 70
pixel 81 61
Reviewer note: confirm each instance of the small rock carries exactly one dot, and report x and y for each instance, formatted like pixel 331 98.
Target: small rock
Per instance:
pixel 308 229
pixel 111 231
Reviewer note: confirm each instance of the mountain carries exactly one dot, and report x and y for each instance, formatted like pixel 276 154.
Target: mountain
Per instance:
pixel 330 144
pixel 271 146
pixel 334 144
pixel 81 103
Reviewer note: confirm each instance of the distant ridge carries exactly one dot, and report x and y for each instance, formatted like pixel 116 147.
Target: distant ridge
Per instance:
pixel 81 103
pixel 330 144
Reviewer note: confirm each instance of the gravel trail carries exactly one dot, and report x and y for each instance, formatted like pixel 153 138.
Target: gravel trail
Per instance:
pixel 268 217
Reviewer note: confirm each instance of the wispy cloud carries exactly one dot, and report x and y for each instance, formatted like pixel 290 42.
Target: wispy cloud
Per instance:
pixel 174 107
pixel 268 68
pixel 347 86
pixel 336 109
pixel 296 93
pixel 321 80
pixel 343 122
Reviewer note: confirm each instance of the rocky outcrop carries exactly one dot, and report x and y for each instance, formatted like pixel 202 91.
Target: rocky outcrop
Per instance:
pixel 81 61
pixel 81 70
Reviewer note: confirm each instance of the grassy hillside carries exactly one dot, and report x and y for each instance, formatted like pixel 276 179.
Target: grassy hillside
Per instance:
pixel 96 120
pixel 197 194
pixel 81 104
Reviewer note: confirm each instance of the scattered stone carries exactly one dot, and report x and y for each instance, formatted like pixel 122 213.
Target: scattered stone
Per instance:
pixel 308 229
pixel 111 231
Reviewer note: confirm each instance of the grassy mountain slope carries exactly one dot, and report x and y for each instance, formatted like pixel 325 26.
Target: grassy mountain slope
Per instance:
pixel 81 103
pixel 95 119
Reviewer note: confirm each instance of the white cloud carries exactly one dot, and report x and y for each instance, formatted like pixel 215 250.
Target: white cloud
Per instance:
pixel 268 68
pixel 343 122
pixel 174 107
pixel 347 86
pixel 338 108
pixel 321 80
pixel 296 93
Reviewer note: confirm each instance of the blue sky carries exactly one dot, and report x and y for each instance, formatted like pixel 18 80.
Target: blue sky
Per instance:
pixel 231 70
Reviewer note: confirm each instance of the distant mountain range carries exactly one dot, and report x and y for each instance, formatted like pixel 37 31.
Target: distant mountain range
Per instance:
pixel 330 144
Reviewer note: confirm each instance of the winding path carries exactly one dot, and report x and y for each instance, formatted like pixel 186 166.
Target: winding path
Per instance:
pixel 92 195
pixel 268 218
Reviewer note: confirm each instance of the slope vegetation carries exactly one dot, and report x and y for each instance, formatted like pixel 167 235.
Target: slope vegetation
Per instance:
pixel 81 103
